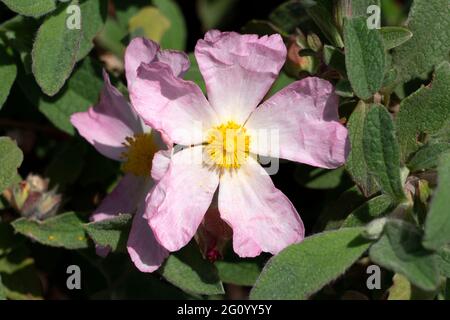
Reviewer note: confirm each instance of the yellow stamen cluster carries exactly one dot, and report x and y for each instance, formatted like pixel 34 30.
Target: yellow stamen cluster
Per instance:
pixel 138 157
pixel 228 146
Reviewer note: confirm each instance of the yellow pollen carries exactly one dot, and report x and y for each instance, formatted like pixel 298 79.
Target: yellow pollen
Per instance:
pixel 138 157
pixel 228 145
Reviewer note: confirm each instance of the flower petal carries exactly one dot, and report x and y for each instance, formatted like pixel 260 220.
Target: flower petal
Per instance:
pixel 178 61
pixel 176 107
pixel 179 202
pixel 304 118
pixel 261 216
pixel 107 124
pixel 123 199
pixel 160 164
pixel 238 70
pixel 146 253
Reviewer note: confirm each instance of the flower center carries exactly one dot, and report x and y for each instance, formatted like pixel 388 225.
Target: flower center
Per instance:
pixel 228 145
pixel 138 157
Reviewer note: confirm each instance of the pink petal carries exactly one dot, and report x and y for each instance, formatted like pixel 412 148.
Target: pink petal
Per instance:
pixel 238 70
pixel 107 124
pixel 123 199
pixel 141 50
pixel 146 253
pixel 179 202
pixel 160 164
pixel 176 107
pixel 304 115
pixel 261 216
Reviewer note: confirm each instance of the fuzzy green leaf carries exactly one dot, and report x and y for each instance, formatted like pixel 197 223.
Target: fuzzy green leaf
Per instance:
pixel 428 156
pixel 8 73
pixel 11 158
pixel 302 269
pixel 382 153
pixel 356 163
pixel 93 14
pixel 437 224
pixel 400 249
pixel 365 57
pixel 112 233
pixel 65 230
pixel 430 45
pixel 188 271
pixel 55 50
pixel 31 8
pixel 395 36
pixel 372 209
pixel 425 112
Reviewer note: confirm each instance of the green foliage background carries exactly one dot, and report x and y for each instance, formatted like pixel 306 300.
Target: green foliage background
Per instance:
pixel 387 206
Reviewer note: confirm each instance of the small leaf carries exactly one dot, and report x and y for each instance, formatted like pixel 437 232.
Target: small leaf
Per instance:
pixel 395 36
pixel 364 57
pixel 402 289
pixel 235 270
pixel 428 156
pixel 319 179
pixel 288 15
pixel 444 261
pixel 213 13
pixel 31 8
pixel 11 158
pixel 335 59
pixel 302 269
pixel 372 209
pixel 112 233
pixel 93 14
pixel 425 112
pixel 65 230
pixel 8 73
pixel 356 163
pixel 430 45
pixel 55 50
pixel 281 82
pixel 193 73
pixel 437 224
pixel 188 271
pixel 176 36
pixel 400 250
pixel 382 152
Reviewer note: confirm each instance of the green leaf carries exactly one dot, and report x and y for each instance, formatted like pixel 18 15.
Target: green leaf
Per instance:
pixel 93 14
pixel 400 249
pixel 359 7
pixel 150 23
pixel 335 59
pixel 395 36
pixel 425 112
pixel 382 152
pixel 2 290
pixel 55 50
pixel 356 163
pixel 428 156
pixel 288 15
pixel 80 92
pixel 402 289
pixel 302 269
pixel 8 73
pixel 444 261
pixel 11 158
pixel 65 230
pixel 437 224
pixel 175 37
pixel 31 8
pixel 235 270
pixel 19 275
pixel 372 209
pixel 112 233
pixel 281 82
pixel 188 271
pixel 364 57
pixel 430 45
pixel 319 179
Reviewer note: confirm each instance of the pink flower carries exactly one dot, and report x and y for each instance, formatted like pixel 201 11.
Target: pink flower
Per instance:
pixel 117 132
pixel 238 71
